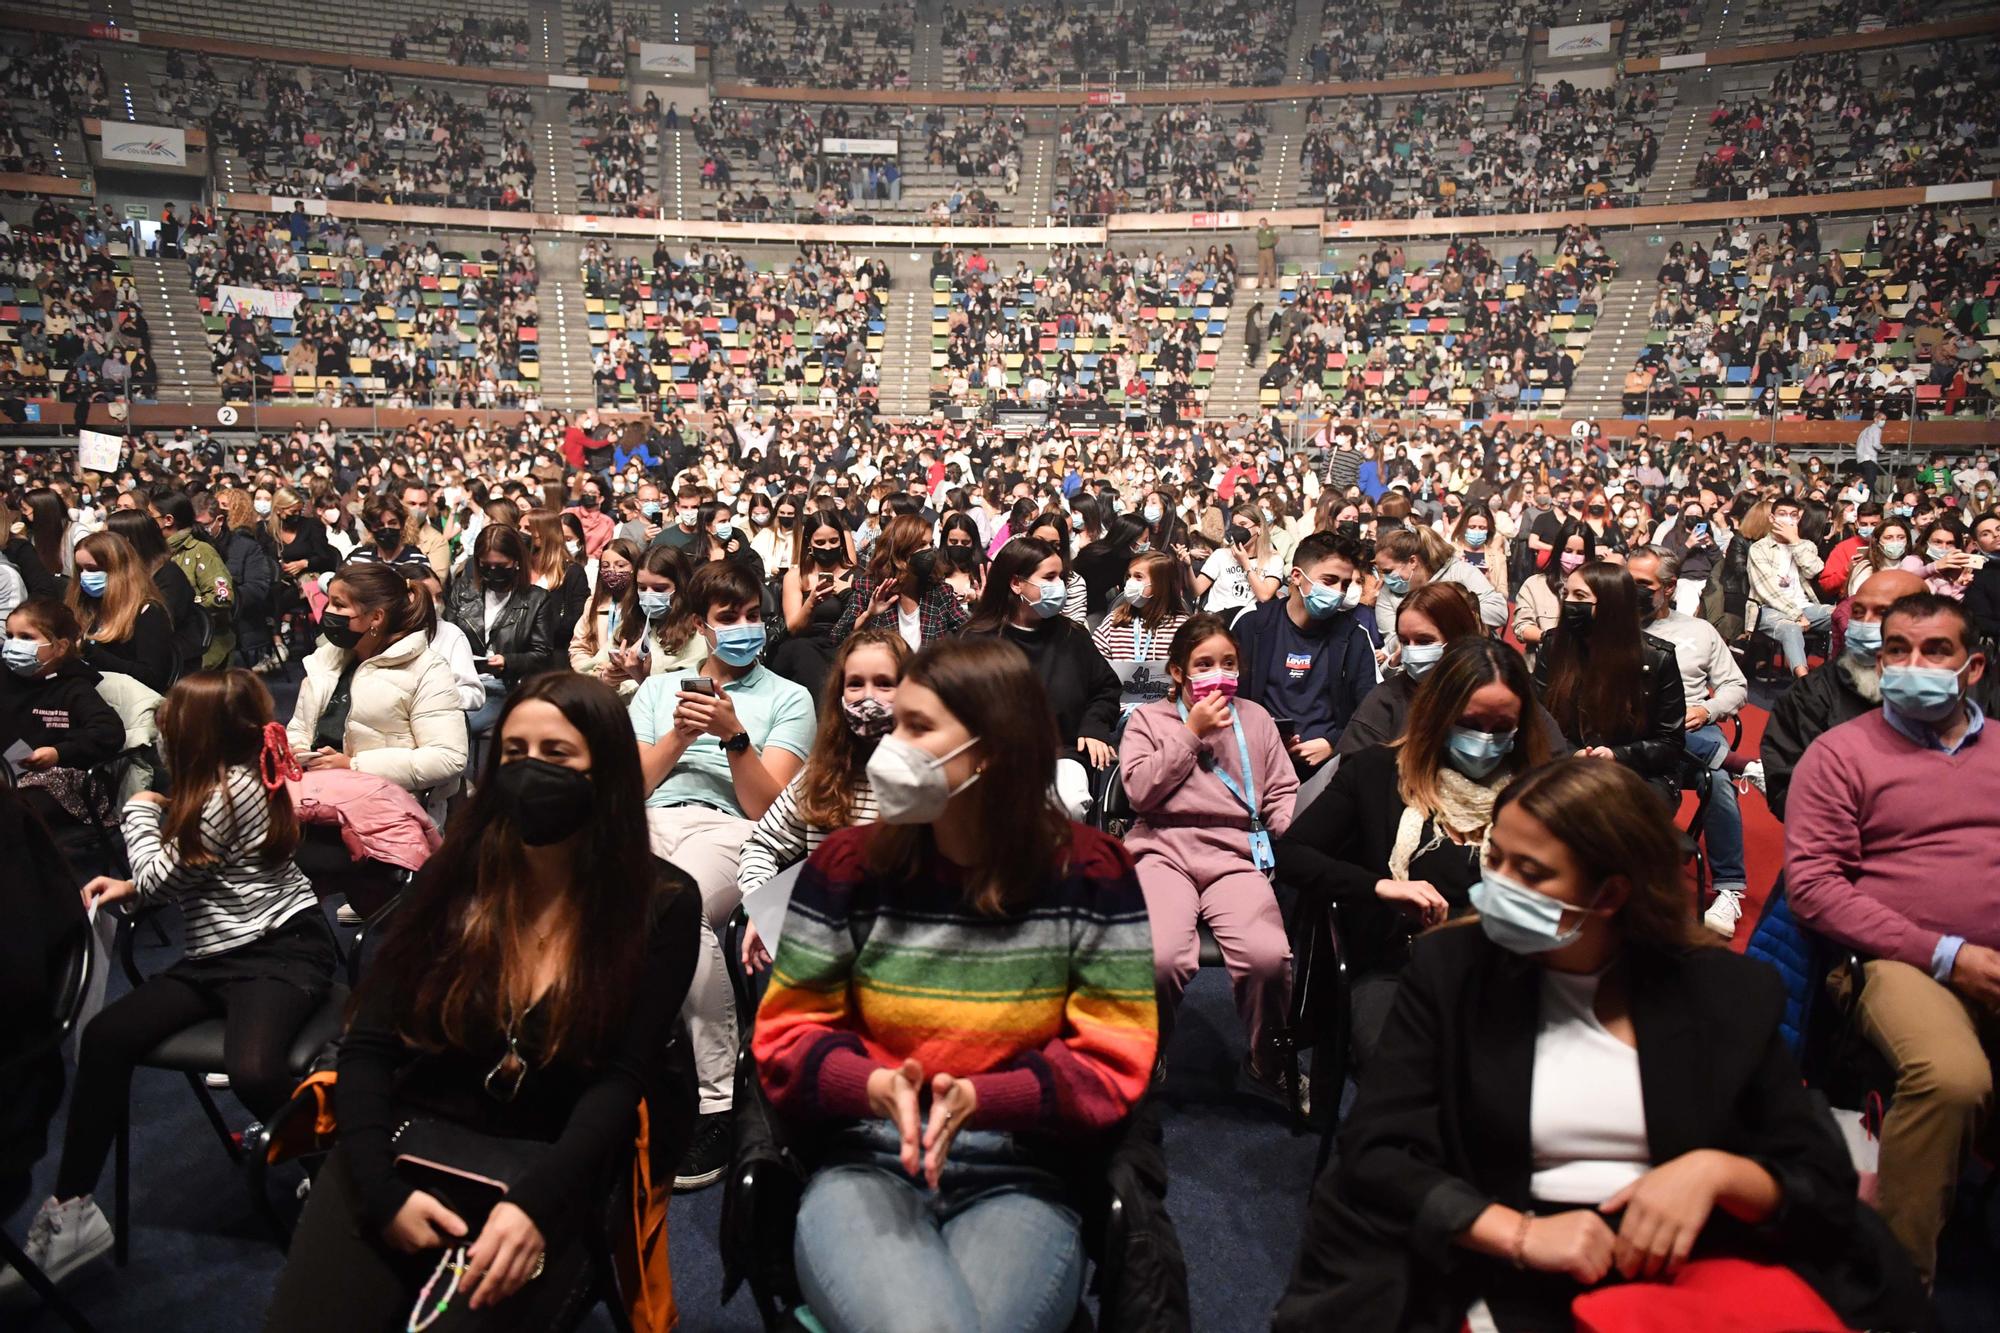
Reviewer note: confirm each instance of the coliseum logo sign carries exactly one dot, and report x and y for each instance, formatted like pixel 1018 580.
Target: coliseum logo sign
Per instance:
pixel 144 145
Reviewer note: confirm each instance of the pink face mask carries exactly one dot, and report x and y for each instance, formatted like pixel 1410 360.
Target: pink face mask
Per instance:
pixel 1212 682
pixel 1571 561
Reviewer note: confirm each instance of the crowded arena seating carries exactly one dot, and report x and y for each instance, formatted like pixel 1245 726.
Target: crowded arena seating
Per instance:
pixel 71 322
pixel 767 162
pixel 46 84
pixel 616 153
pixel 1043 45
pixel 815 44
pixel 1791 20
pixel 495 32
pixel 353 134
pixel 1475 330
pixel 713 328
pixel 396 323
pixel 1384 41
pixel 1901 324
pixel 601 30
pixel 1853 121
pixel 1159 160
pixel 1139 332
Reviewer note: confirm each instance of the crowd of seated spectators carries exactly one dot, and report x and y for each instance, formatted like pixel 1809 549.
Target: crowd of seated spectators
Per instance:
pixel 45 84
pixel 1925 122
pixel 1755 323
pixel 605 36
pixel 1402 41
pixel 467 40
pixel 715 329
pixel 401 323
pixel 1127 159
pixel 825 47
pixel 1064 43
pixel 70 322
pixel 620 141
pixel 355 134
pixel 1237 42
pixel 1089 328
pixel 1470 333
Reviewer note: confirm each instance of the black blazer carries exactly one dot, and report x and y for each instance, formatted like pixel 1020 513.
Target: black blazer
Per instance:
pixel 1655 753
pixel 1440 1131
pixel 524 634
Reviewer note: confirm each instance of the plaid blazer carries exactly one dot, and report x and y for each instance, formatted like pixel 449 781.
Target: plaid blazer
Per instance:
pixel 938 612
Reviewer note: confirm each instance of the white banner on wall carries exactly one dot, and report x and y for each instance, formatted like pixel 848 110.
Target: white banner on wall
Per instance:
pixel 1579 39
pixel 884 147
pixel 665 58
pixel 257 301
pixel 144 145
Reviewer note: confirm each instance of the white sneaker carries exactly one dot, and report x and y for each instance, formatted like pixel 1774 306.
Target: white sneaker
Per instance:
pixel 347 916
pixel 216 1080
pixel 1723 914
pixel 1753 773
pixel 62 1238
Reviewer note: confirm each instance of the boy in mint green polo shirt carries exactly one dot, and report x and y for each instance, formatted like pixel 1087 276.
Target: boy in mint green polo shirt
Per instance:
pixel 714 763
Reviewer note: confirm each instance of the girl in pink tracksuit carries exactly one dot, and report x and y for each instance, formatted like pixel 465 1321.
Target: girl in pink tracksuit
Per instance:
pixel 1200 851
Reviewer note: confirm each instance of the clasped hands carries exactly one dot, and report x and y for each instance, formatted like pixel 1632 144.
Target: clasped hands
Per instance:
pixel 894 1094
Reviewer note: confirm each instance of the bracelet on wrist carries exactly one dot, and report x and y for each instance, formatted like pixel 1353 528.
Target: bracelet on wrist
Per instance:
pixel 1517 1253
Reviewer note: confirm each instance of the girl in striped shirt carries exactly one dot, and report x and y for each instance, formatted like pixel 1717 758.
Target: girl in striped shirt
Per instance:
pixel 258 951
pixel 1154 605
pixel 832 791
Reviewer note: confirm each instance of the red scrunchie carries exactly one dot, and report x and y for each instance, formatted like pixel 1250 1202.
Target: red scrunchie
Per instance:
pixel 275 762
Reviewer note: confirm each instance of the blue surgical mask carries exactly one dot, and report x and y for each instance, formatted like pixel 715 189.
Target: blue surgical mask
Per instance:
pixel 1395 583
pixel 650 508
pixel 1900 511
pixel 723 527
pixel 1322 602
pixel 1864 638
pixel 23 656
pixel 1520 919
pixel 94 581
pixel 1475 537
pixel 1476 753
pixel 1049 598
pixel 1152 515
pixel 1864 531
pixel 1927 694
pixel 655 602
pixel 739 645
pixel 1419 658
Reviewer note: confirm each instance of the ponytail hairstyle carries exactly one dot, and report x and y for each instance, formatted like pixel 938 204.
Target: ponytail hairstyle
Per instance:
pixel 375 586
pixel 211 722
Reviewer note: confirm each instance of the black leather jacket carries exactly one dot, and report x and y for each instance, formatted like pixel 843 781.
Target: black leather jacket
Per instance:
pixel 1657 751
pixel 524 634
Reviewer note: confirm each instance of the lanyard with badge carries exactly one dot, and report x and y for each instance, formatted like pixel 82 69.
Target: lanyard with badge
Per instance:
pixel 1261 854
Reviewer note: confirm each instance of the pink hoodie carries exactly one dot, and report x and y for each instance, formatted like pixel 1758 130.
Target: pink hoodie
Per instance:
pixel 377 819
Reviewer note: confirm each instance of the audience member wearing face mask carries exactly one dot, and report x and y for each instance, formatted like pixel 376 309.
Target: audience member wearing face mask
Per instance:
pixel 972 882
pixel 1889 838
pixel 1573 1095
pixel 1211 784
pixel 1395 838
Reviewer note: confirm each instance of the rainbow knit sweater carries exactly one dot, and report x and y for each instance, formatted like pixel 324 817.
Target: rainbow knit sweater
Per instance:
pixel 1049 1011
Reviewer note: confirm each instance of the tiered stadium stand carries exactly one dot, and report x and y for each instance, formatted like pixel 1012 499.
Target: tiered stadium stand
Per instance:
pixel 418 29
pixel 1137 159
pixel 816 44
pixel 67 302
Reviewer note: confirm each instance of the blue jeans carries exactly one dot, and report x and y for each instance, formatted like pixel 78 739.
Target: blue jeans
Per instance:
pixel 992 1249
pixel 1791 636
pixel 1724 827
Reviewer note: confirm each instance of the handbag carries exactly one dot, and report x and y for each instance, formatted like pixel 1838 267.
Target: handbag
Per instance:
pixel 466 1171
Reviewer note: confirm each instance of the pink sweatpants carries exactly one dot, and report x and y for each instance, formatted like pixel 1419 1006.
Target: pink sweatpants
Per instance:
pixel 1243 914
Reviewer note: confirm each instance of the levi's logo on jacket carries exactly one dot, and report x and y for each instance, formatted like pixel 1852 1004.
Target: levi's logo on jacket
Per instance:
pixel 1298 664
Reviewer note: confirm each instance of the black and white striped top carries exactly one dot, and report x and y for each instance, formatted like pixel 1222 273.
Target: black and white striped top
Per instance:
pixel 238 898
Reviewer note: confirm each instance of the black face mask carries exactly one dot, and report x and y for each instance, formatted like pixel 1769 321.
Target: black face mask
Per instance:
pixel 1577 616
pixel 497 576
pixel 827 557
pixel 787 521
pixel 339 630
pixel 586 501
pixel 388 539
pixel 547 802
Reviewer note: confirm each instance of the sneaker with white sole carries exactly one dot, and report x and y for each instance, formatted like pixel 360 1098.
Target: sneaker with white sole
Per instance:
pixel 62 1238
pixel 708 1153
pixel 217 1080
pixel 1723 914
pixel 347 916
pixel 1753 774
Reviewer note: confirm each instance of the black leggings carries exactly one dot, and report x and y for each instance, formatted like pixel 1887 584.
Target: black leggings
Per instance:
pixel 261 1017
pixel 341 1277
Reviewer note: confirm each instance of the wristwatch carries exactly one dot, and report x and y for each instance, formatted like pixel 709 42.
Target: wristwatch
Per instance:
pixel 737 744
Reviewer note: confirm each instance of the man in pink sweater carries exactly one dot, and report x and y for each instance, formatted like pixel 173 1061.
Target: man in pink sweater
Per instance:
pixel 1890 850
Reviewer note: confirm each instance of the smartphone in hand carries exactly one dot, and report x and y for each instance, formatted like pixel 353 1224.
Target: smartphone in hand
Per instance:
pixel 698 685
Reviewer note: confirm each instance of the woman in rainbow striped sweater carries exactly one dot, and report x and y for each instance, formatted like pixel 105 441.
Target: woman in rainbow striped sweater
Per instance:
pixel 970 975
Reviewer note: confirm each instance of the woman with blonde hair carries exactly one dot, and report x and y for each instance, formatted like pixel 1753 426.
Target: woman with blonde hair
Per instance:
pixel 555 569
pixel 126 627
pixel 1408 558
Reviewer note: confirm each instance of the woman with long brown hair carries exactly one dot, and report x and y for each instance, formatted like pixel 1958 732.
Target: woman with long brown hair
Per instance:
pixel 613 602
pixel 126 627
pixel 665 634
pixel 1613 689
pixel 520 1009
pixel 1007 973
pixel 1153 605
pixel 857 709
pixel 899 590
pixel 555 568
pixel 1395 838
pixel 1577 1086
pixel 258 951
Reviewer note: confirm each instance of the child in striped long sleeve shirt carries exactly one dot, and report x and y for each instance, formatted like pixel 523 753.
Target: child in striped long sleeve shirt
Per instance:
pixel 966 979
pixel 258 952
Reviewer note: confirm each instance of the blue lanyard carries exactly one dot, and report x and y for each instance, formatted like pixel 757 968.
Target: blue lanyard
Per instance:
pixel 1262 855
pixel 611 630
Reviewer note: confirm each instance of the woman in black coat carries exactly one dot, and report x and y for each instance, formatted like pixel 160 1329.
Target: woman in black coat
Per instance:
pixel 190 622
pixel 1576 1089
pixel 1614 690
pixel 509 622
